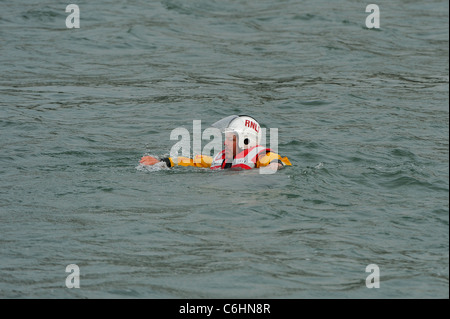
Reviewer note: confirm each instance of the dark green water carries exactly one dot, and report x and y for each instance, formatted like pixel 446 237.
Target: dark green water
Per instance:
pixel 362 114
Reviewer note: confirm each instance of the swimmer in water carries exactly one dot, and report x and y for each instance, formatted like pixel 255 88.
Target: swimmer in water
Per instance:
pixel 241 149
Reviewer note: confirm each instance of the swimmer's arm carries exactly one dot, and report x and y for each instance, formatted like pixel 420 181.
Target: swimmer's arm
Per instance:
pixel 198 161
pixel 273 160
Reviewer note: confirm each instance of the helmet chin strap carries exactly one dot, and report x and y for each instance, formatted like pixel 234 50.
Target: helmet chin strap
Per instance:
pixel 228 161
pixel 226 165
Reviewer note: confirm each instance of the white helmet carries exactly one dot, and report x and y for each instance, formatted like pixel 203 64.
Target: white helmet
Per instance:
pixel 245 127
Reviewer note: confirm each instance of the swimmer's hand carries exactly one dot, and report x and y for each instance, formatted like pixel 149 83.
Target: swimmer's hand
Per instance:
pixel 148 160
pixel 275 166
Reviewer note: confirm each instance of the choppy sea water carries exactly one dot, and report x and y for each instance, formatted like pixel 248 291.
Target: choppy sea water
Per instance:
pixel 362 115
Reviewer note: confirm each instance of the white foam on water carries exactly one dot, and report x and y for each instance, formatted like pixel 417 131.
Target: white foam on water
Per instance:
pixel 152 168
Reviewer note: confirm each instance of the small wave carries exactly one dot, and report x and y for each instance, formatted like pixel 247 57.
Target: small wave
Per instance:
pixel 319 166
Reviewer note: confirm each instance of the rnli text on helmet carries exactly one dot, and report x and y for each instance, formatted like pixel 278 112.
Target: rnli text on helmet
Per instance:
pixel 252 125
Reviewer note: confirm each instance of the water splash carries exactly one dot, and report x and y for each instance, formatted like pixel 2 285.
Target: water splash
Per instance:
pixel 152 168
